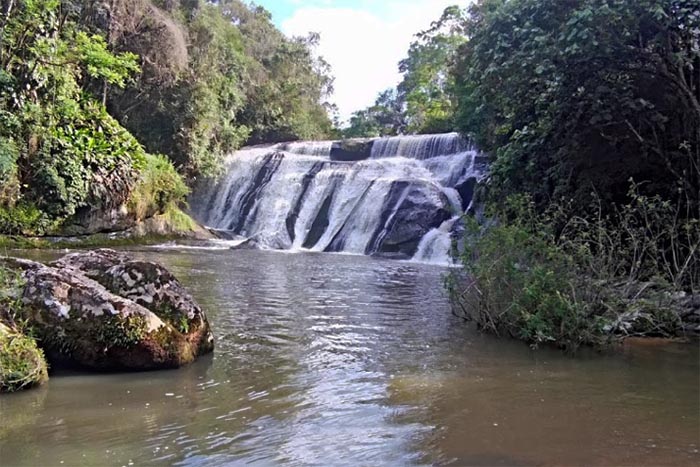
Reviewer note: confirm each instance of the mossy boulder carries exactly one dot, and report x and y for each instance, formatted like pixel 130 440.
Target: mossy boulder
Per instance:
pixel 105 311
pixel 148 284
pixel 22 363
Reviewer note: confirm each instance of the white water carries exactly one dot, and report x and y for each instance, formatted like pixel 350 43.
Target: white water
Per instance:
pixel 435 246
pixel 419 146
pixel 402 201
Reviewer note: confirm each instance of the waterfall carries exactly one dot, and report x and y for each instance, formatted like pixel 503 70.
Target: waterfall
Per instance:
pixel 396 197
pixel 419 146
pixel 435 246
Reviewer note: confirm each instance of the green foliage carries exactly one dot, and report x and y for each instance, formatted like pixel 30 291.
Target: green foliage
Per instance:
pixel 428 86
pixel 570 278
pixel 215 76
pixel 22 363
pixel 23 219
pixel 570 97
pixel 74 154
pixel 424 100
pixel 191 80
pixel 385 118
pixel 100 63
pixel 178 221
pixel 64 141
pixel 119 330
pixel 525 286
pixel 9 183
pixel 575 101
pixel 159 188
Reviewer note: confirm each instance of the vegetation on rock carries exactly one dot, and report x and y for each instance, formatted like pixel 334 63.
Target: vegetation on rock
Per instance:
pixel 22 363
pixel 100 310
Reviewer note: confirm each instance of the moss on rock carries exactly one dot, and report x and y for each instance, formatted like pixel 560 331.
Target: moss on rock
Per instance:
pixel 105 311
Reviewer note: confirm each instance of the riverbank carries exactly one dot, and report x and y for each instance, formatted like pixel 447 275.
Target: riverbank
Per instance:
pixel 173 224
pixel 569 278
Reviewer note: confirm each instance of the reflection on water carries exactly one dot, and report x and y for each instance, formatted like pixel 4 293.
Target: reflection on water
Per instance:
pixel 327 359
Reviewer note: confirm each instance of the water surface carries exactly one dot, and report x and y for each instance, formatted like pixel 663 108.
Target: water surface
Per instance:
pixel 348 360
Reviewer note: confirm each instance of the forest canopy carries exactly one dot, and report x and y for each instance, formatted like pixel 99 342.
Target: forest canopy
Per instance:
pixel 90 88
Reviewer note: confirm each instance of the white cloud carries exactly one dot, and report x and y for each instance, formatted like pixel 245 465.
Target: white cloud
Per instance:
pixel 364 45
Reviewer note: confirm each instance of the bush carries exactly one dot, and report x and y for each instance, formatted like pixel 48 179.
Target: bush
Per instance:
pixel 22 363
pixel 159 187
pixel 524 286
pixel 9 184
pixel 574 280
pixel 24 219
pixel 76 156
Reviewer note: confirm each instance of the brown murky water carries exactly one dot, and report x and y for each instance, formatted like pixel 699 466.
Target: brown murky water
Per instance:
pixel 343 360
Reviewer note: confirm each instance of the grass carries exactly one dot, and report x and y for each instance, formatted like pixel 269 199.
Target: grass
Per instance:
pixel 22 362
pixel 160 187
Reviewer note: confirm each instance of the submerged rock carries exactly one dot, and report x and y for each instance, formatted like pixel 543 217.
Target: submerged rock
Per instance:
pixel 247 244
pixel 351 150
pixel 106 311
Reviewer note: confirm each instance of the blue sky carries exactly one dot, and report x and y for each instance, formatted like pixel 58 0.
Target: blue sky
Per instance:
pixel 284 9
pixel 363 40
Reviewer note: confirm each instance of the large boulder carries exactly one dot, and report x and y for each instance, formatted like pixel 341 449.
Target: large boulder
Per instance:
pixel 106 311
pixel 417 207
pixel 105 210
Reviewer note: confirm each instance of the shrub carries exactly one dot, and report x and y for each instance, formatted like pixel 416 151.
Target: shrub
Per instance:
pixel 9 184
pixel 576 280
pixel 524 286
pixel 76 156
pixel 22 363
pixel 159 187
pixel 24 219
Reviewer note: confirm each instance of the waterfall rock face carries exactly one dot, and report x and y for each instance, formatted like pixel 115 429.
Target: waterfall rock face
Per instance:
pixel 382 196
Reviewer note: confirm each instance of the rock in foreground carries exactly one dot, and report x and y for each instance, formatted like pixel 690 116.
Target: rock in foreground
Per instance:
pixel 104 310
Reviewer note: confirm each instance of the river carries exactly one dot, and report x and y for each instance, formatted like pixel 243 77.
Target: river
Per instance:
pixel 348 360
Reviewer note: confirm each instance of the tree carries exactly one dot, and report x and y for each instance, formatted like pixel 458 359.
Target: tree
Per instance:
pixel 577 96
pixel 386 117
pixel 424 101
pixel 59 147
pixel 427 86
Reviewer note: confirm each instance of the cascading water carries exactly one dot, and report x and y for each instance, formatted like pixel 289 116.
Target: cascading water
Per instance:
pixel 397 197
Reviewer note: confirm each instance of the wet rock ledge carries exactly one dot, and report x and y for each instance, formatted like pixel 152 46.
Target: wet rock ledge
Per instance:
pixel 106 311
